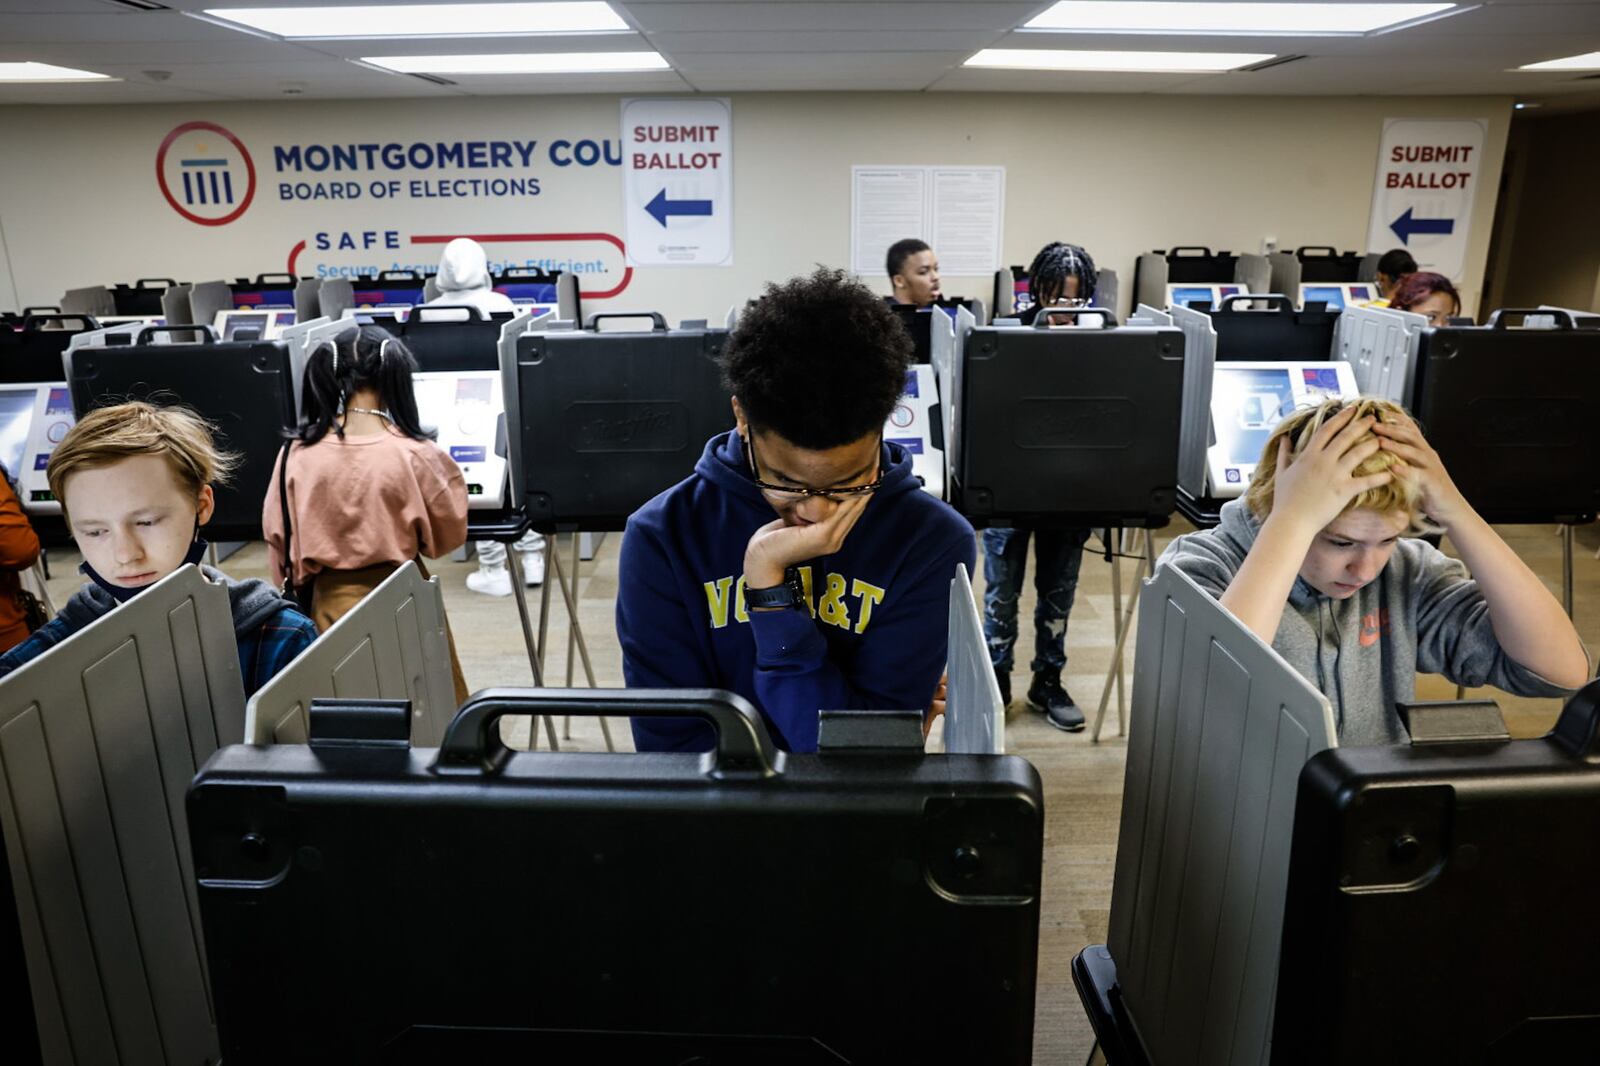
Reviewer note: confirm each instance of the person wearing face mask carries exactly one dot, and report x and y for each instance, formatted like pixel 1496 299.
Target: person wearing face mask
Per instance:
pixel 801 565
pixel 1320 559
pixel 135 485
pixel 464 280
pixel 913 273
pixel 1427 294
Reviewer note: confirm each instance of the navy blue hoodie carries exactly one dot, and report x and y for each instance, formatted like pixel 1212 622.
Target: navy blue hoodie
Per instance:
pixel 872 637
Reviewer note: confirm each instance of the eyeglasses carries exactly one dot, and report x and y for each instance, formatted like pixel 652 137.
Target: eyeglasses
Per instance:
pixel 790 494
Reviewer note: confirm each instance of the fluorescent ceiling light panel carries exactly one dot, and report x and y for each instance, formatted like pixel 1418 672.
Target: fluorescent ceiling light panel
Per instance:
pixel 1165 16
pixel 47 72
pixel 1588 61
pixel 523 63
pixel 425 20
pixel 1126 62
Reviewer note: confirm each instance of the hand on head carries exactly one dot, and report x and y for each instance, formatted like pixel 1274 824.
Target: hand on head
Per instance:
pixel 1417 463
pixel 1317 485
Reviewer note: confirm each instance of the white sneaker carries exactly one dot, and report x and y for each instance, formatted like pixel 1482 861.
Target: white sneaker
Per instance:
pixel 533 568
pixel 495 582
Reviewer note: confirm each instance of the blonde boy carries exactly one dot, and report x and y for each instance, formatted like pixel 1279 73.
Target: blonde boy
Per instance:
pixel 1318 559
pixel 134 481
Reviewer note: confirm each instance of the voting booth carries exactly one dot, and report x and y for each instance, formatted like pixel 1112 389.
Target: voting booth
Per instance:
pixel 1381 344
pixel 873 876
pixel 1318 264
pixel 253 324
pixel 33 353
pixel 1460 869
pixel 1193 266
pixel 1220 730
pixel 386 289
pixel 1515 415
pixel 99 738
pixel 1269 326
pixel 1336 296
pixel 1248 400
pixel 390 646
pixel 243 387
pixel 975 715
pixel 600 422
pixel 1062 425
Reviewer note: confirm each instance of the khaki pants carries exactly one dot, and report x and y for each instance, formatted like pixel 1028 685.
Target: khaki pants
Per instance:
pixel 335 592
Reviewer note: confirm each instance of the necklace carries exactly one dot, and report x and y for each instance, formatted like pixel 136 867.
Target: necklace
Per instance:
pixel 369 411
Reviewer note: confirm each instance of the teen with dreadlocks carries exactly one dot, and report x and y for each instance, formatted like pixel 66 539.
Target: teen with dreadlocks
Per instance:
pixel 362 488
pixel 1060 272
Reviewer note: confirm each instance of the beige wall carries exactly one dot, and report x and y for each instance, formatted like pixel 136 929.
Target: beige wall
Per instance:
pixel 1119 174
pixel 1548 239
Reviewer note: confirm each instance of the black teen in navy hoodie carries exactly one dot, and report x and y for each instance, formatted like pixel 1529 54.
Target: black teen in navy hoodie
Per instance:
pixel 872 632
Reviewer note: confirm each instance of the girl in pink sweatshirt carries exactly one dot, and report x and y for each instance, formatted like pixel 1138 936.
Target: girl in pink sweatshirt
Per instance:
pixel 362 485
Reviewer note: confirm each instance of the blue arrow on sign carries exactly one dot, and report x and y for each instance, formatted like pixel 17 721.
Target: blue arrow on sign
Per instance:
pixel 661 207
pixel 1405 227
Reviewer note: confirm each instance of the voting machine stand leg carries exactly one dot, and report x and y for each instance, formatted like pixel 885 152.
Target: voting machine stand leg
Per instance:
pixel 575 631
pixel 572 634
pixel 535 653
pixel 1566 569
pixel 1123 622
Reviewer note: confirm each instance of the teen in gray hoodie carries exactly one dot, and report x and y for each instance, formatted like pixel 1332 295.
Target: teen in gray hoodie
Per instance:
pixel 1312 559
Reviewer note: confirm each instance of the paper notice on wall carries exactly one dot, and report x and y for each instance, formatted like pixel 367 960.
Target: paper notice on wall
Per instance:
pixel 958 211
pixel 967 206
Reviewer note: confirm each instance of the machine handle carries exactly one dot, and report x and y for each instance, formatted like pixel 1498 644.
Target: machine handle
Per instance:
pixel 399 275
pixel 528 272
pixel 1563 319
pixel 1108 317
pixel 1178 250
pixel 264 279
pixel 41 311
pixel 476 314
pixel 166 283
pixel 1277 300
pixel 30 321
pixel 1323 251
pixel 658 321
pixel 472 744
pixel 150 331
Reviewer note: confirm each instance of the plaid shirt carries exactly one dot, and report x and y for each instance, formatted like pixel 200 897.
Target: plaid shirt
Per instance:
pixel 263 650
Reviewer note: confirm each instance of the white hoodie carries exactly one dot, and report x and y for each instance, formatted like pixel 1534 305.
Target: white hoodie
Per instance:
pixel 464 279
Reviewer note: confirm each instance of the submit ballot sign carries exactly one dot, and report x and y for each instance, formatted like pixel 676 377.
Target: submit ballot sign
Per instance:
pixel 677 164
pixel 1428 174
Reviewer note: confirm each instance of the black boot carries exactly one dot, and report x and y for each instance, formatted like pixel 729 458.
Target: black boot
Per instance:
pixel 1047 695
pixel 1004 680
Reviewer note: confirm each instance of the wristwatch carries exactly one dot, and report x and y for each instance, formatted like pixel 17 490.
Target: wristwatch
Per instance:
pixel 789 594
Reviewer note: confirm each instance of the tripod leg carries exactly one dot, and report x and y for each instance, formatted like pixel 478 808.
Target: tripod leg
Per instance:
pixel 514 564
pixel 569 593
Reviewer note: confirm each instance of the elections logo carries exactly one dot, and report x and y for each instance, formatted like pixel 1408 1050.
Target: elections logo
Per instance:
pixel 206 173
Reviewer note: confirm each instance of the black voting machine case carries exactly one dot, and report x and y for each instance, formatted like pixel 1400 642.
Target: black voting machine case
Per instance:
pixel 1068 426
pixel 1278 331
pixel 610 419
pixel 443 342
pixel 732 907
pixel 1513 414
pixel 33 353
pixel 243 387
pixel 1441 902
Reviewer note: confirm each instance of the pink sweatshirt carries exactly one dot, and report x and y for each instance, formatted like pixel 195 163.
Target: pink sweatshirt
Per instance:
pixel 361 501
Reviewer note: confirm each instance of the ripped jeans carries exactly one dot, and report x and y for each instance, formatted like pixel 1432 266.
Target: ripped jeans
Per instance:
pixel 1058 554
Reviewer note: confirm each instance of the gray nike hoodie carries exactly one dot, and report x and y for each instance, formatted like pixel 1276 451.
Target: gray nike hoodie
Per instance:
pixel 1423 614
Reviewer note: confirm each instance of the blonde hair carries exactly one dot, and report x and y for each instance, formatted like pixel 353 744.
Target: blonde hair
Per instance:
pixel 1398 496
pixel 108 435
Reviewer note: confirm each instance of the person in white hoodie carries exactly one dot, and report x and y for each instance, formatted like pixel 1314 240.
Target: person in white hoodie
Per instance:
pixel 463 279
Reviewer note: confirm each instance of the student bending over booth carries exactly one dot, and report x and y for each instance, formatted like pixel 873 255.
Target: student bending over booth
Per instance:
pixel 1318 559
pixel 134 483
pixel 801 565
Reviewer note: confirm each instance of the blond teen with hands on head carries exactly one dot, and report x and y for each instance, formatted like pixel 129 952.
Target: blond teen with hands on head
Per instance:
pixel 1320 559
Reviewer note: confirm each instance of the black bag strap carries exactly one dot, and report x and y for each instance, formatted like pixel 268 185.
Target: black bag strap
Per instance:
pixel 283 502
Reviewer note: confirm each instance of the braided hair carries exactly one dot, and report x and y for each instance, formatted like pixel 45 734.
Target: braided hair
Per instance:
pixel 1055 263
